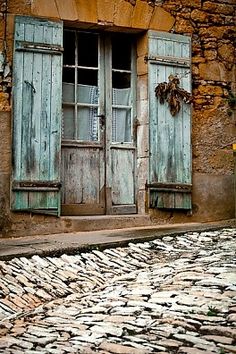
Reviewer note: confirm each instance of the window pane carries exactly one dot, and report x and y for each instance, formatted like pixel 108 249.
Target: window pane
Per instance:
pixel 121 125
pixel 121 96
pixel 68 92
pixel 87 49
pixel 87 77
pixel 68 86
pixel 121 52
pixel 68 75
pixel 87 121
pixel 68 127
pixel 87 94
pixel 120 80
pixel 69 48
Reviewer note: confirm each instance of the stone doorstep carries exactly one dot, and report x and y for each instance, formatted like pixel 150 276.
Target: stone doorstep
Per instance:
pixel 106 222
pixel 132 221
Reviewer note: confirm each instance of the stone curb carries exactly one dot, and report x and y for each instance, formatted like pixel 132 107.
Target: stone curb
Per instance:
pixel 69 243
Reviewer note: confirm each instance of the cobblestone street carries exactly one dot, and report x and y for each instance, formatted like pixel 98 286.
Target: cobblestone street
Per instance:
pixel 176 294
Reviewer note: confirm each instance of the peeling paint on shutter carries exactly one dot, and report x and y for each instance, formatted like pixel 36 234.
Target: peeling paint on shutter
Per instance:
pixel 170 174
pixel 37 115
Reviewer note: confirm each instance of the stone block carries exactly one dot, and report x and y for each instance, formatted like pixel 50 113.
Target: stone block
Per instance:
pixel 194 3
pixel 142 45
pixel 19 7
pixel 199 16
pixel 142 88
pixel 105 10
pixel 141 15
pixel 161 20
pixel 141 201
pixel 184 26
pixel 142 111
pixel 210 90
pixel 67 10
pixel 5 142
pixel 213 197
pixel 142 172
pixel 197 60
pixel 213 7
pixel 142 67
pixel 143 140
pixel 210 54
pixel 215 71
pixel 123 13
pixel 4 102
pixel 217 32
pixel 45 8
pixel 226 53
pixel 87 11
pixel 10 27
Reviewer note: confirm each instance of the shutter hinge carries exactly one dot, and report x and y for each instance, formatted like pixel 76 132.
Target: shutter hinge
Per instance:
pixel 38 47
pixel 37 186
pixel 170 187
pixel 167 60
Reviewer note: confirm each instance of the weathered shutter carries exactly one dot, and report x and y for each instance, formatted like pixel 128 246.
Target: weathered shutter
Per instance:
pixel 170 136
pixel 37 115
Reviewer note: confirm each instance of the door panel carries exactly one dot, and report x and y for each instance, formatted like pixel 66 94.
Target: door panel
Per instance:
pixel 83 187
pixel 121 145
pixel 83 175
pixel 123 167
pixel 98 150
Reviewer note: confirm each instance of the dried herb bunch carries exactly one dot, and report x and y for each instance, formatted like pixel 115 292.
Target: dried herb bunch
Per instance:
pixel 173 94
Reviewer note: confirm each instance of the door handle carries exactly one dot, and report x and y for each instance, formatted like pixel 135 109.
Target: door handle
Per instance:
pixel 102 120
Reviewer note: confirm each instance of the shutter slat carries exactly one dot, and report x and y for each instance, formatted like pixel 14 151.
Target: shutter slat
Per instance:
pixel 170 137
pixel 37 113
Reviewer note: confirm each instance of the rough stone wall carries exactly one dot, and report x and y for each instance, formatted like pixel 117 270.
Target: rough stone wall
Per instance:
pixel 212 27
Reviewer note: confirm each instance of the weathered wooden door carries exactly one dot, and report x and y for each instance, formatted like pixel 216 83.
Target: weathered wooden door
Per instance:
pixel 98 145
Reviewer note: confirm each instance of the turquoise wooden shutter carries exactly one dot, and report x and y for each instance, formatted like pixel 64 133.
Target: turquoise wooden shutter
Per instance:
pixel 37 115
pixel 170 136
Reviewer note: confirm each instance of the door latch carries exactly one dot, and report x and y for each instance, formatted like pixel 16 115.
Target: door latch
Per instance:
pixel 102 120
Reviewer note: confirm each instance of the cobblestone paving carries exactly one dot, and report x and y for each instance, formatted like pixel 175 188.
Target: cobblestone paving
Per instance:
pixel 171 295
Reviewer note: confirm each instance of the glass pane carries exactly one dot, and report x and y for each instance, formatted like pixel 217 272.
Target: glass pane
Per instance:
pixel 69 48
pixel 87 120
pixel 87 94
pixel 68 92
pixel 120 80
pixel 68 75
pixel 88 77
pixel 87 49
pixel 121 96
pixel 121 125
pixel 68 124
pixel 121 52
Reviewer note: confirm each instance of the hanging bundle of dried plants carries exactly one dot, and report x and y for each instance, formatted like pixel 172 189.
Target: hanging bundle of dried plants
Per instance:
pixel 171 92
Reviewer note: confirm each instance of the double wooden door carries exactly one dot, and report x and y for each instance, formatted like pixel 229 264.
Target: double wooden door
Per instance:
pixel 98 136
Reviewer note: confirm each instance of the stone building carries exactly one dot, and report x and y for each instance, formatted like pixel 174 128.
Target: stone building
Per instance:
pixel 115 113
